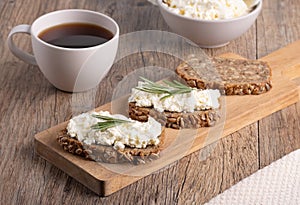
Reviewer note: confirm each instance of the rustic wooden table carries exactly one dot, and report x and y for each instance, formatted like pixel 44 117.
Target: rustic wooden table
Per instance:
pixel 29 104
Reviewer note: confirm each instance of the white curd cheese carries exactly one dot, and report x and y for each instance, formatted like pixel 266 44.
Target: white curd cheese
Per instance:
pixel 134 134
pixel 188 102
pixel 208 9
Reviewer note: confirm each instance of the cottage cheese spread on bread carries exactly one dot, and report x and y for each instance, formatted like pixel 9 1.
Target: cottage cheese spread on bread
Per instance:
pixel 188 102
pixel 134 134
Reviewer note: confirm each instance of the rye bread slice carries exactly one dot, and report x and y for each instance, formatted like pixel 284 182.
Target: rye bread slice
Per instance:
pixel 107 154
pixel 175 120
pixel 230 76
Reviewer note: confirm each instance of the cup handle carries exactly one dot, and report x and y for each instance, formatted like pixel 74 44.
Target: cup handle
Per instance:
pixel 28 58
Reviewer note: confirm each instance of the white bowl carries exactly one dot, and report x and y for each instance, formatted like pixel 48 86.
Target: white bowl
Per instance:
pixel 209 33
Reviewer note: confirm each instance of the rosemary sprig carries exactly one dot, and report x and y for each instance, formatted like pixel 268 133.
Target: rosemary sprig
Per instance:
pixel 170 88
pixel 108 122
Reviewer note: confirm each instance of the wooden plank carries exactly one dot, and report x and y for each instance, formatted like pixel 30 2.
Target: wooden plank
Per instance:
pixel 228 161
pixel 277 26
pixel 240 112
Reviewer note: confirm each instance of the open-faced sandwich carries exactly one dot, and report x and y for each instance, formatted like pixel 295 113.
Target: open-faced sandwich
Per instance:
pixel 103 137
pixel 174 104
pixel 231 76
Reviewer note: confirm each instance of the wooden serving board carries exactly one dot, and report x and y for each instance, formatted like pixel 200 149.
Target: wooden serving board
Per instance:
pixel 237 112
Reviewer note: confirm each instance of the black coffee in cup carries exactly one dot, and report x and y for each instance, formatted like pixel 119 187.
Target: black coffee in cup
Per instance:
pixel 80 68
pixel 76 35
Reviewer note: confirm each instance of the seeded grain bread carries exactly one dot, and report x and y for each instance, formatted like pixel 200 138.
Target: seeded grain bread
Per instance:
pixel 107 154
pixel 230 76
pixel 175 120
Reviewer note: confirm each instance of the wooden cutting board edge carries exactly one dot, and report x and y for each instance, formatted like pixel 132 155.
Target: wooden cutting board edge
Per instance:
pixel 114 182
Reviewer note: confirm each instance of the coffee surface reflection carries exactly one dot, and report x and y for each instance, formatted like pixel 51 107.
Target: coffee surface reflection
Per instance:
pixel 76 35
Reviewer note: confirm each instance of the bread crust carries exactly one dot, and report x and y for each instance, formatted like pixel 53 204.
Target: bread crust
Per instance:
pixel 230 76
pixel 175 120
pixel 107 154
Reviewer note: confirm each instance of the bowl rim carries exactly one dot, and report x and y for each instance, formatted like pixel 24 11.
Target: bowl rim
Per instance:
pixel 251 13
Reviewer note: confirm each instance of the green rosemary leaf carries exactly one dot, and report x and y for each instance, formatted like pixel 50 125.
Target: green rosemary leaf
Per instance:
pixel 107 122
pixel 170 88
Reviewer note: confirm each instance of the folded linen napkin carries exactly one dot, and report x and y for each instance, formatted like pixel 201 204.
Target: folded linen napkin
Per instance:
pixel 276 184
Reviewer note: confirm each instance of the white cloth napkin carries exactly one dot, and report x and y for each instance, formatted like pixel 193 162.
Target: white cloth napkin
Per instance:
pixel 276 184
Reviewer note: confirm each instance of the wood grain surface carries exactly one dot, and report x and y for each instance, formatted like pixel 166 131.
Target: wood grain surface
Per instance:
pixel 236 113
pixel 29 104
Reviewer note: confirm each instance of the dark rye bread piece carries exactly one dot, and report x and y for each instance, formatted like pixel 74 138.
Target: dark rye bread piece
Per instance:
pixel 175 120
pixel 107 154
pixel 230 76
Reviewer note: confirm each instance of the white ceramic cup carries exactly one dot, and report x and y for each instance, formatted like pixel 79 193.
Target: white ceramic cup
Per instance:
pixel 68 69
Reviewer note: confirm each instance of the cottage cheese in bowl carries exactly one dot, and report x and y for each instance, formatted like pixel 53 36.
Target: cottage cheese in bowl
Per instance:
pixel 208 9
pixel 209 23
